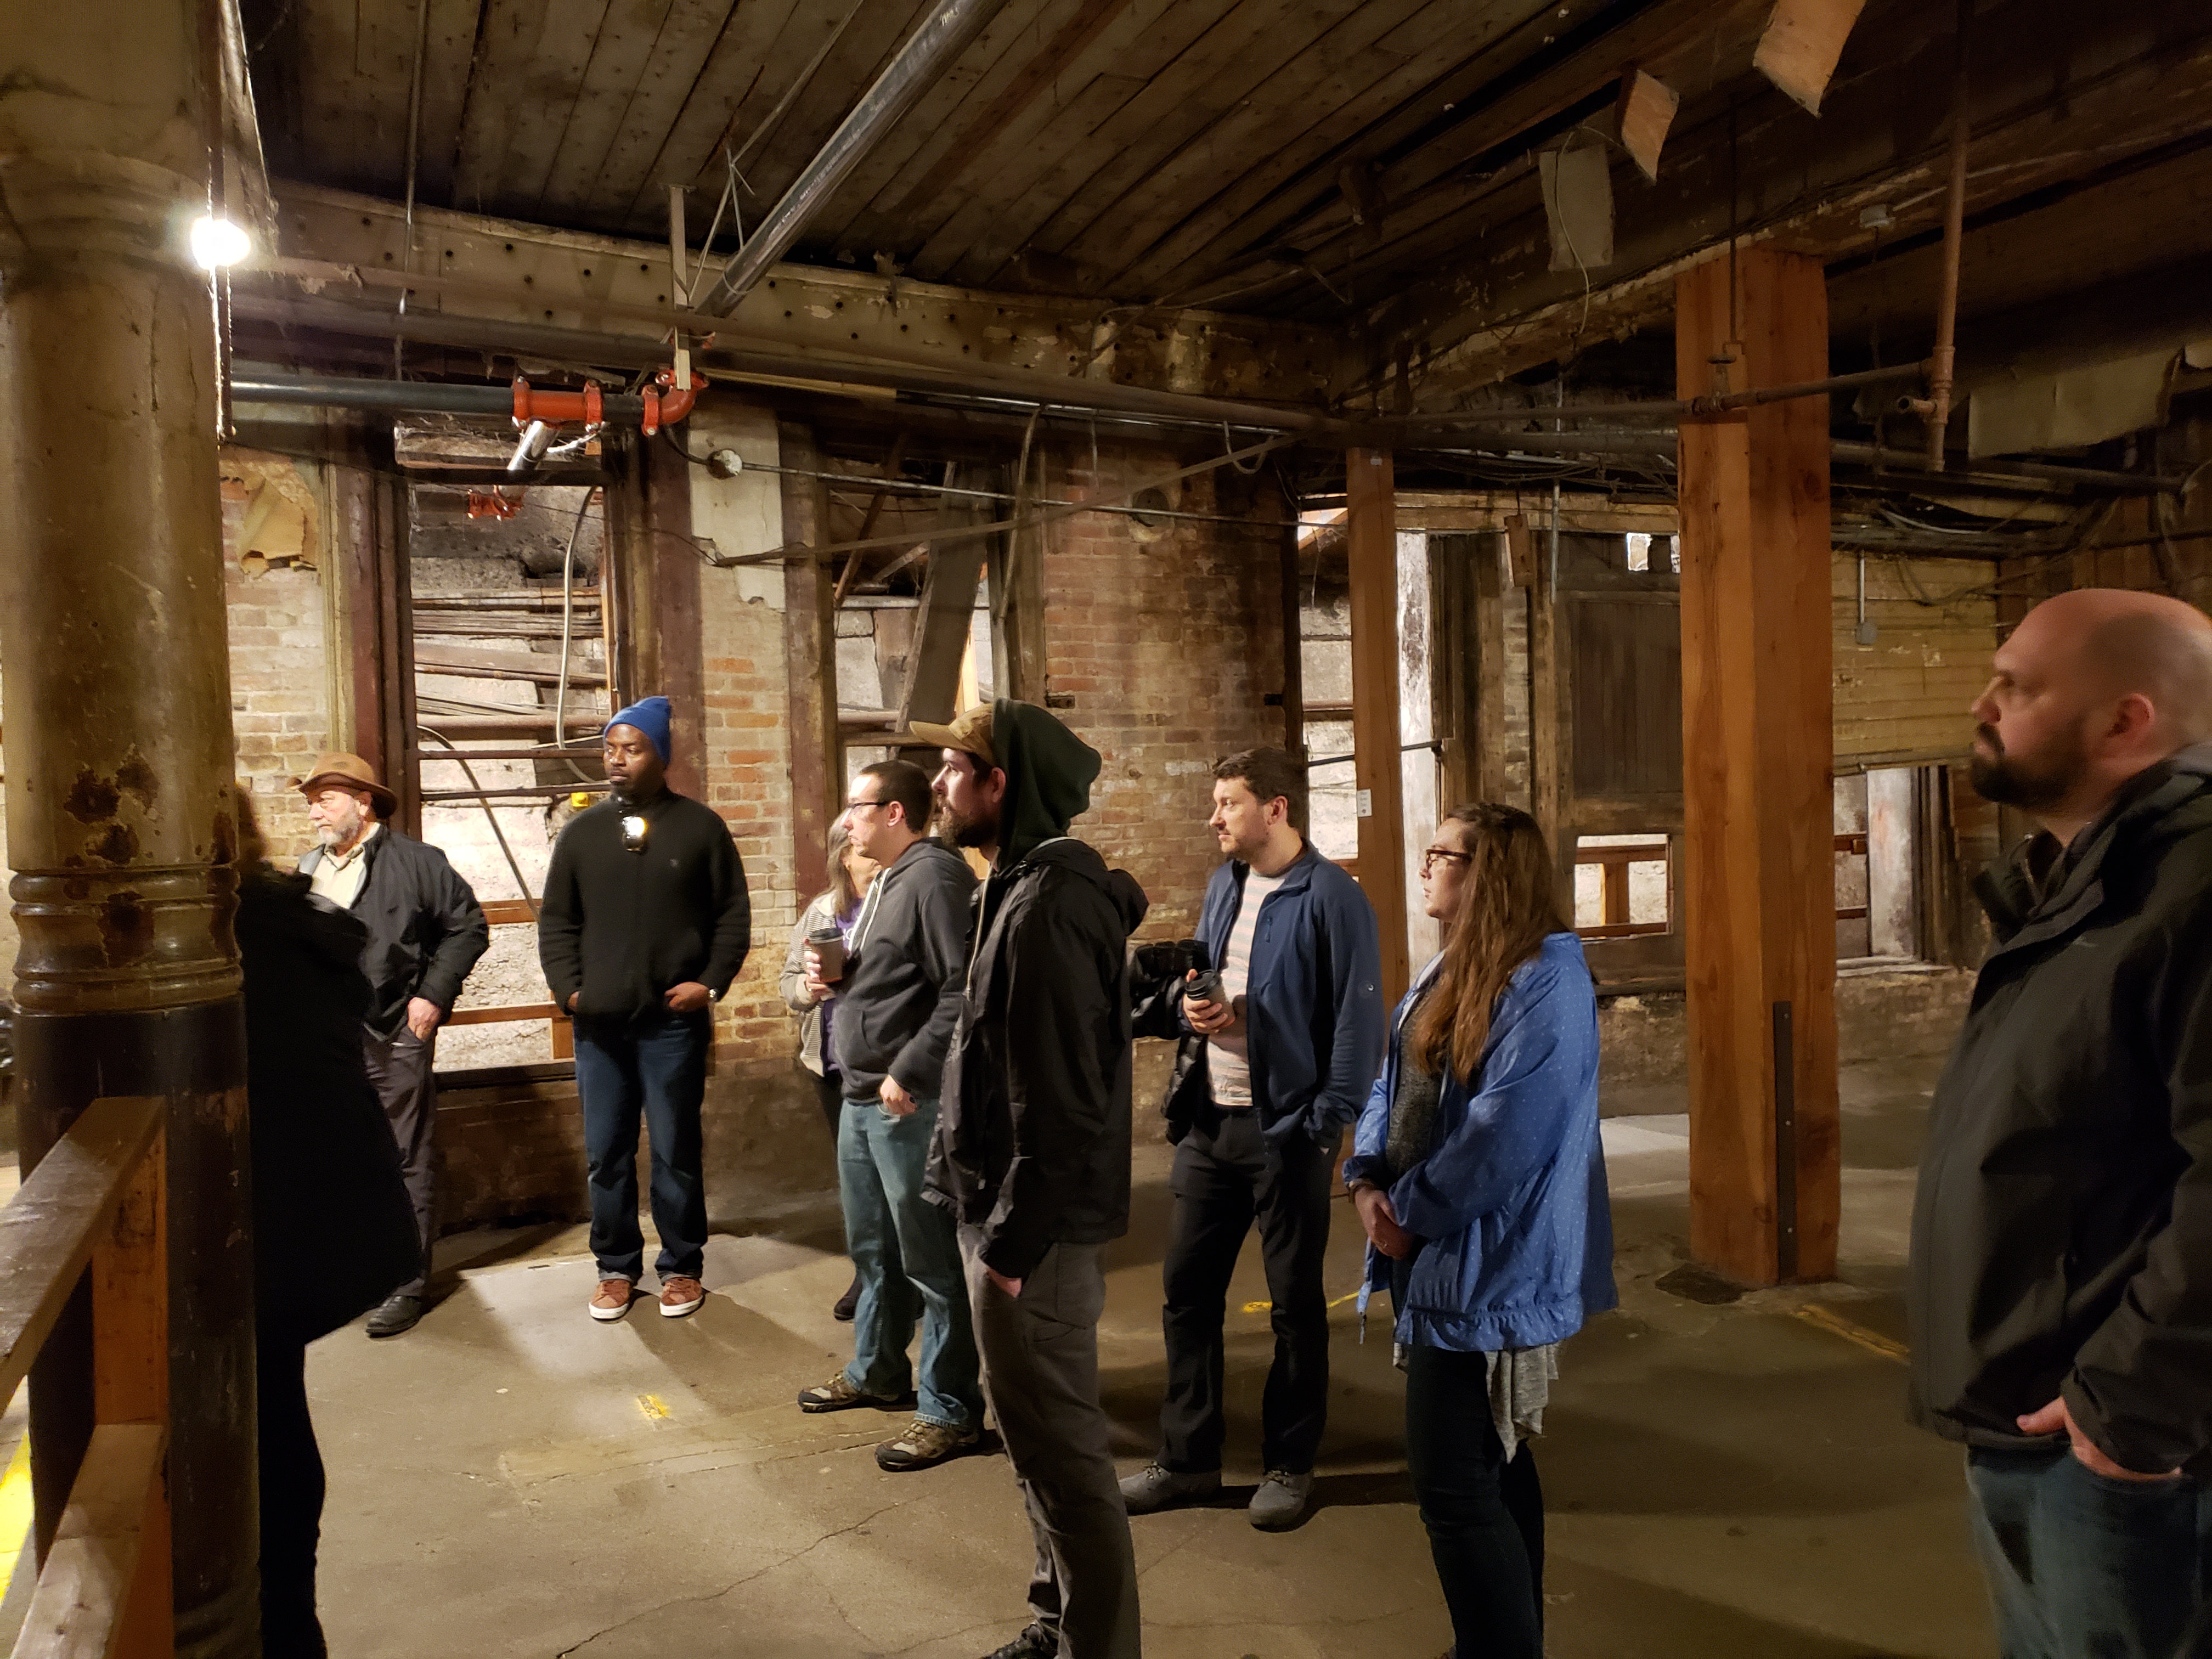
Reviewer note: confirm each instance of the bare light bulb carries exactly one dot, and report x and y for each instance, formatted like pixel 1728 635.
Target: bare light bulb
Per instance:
pixel 217 244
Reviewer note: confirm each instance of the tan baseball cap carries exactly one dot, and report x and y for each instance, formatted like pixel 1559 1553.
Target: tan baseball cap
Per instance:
pixel 969 732
pixel 349 771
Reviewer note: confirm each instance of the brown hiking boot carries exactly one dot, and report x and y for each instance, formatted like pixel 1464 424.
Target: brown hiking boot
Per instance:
pixel 838 1394
pixel 680 1295
pixel 611 1300
pixel 924 1443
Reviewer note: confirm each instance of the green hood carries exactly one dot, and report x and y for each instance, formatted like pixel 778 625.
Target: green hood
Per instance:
pixel 1048 773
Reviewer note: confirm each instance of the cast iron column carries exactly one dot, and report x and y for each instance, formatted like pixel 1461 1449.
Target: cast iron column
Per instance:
pixel 115 675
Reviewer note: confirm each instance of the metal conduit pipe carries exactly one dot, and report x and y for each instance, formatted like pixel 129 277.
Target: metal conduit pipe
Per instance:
pixel 412 397
pixel 928 52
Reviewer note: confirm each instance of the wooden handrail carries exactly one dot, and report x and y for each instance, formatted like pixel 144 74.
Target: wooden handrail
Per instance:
pixel 92 1572
pixel 49 1229
pixel 503 1015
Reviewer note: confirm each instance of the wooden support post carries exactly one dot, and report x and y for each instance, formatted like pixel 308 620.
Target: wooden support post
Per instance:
pixel 945 624
pixel 130 1375
pixel 373 519
pixel 1294 662
pixel 1757 876
pixel 1371 529
pixel 810 658
pixel 664 476
pixel 1489 775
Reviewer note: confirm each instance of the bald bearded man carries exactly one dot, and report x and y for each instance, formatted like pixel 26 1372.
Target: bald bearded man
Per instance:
pixel 2061 1288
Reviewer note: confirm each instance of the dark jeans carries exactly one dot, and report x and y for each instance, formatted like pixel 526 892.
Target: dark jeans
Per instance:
pixel 1221 1182
pixel 399 1071
pixel 1040 1355
pixel 656 1063
pixel 2081 1566
pixel 1484 1516
pixel 291 1502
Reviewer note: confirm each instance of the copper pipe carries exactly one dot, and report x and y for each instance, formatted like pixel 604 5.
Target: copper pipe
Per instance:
pixel 1937 408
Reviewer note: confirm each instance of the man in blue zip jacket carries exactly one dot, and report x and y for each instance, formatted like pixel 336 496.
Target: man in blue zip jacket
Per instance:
pixel 1271 1070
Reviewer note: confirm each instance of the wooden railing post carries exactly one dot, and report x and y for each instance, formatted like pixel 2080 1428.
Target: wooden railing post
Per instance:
pixel 131 1377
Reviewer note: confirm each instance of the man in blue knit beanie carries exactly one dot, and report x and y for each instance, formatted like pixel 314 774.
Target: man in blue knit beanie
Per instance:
pixel 646 921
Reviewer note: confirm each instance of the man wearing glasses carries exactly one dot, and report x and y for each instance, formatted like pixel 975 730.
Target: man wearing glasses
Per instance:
pixel 899 1000
pixel 645 923
pixel 1279 1049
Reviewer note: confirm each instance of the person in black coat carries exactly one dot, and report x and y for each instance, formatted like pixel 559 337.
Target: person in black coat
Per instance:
pixel 333 1228
pixel 2061 1286
pixel 423 931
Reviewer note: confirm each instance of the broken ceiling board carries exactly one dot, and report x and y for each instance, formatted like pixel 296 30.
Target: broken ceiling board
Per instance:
pixel 1646 111
pixel 2071 409
pixel 1803 40
pixel 1809 185
pixel 1578 188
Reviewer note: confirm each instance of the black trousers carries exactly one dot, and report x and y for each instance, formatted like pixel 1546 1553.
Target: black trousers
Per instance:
pixel 1484 1516
pixel 1223 1180
pixel 291 1502
pixel 399 1071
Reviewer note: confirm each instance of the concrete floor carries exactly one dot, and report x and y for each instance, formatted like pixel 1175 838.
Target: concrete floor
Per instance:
pixel 511 1479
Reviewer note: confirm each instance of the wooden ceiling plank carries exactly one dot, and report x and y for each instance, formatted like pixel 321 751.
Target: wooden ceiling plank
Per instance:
pixel 446 62
pixel 1288 188
pixel 506 42
pixel 764 45
pixel 607 104
pixel 1053 130
pixel 861 54
pixel 673 73
pixel 1232 65
pixel 1157 53
pixel 1335 70
pixel 334 129
pixel 383 81
pixel 544 98
pixel 918 162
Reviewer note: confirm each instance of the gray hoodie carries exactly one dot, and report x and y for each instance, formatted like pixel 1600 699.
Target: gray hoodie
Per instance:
pixel 904 974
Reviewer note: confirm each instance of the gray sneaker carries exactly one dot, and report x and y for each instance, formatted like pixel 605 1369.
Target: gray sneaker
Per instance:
pixel 1155 1488
pixel 1281 1500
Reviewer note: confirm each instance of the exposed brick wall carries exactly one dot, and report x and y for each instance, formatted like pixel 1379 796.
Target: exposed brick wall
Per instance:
pixel 280 657
pixel 1166 642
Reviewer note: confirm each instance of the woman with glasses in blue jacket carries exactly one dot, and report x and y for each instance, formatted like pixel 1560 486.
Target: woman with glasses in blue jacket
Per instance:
pixel 1477 1176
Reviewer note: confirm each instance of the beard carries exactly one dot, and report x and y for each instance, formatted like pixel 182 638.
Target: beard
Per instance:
pixel 966 831
pixel 2009 779
pixel 337 835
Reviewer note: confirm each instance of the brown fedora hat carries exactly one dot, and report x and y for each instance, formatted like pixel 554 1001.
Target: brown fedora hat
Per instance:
pixel 349 771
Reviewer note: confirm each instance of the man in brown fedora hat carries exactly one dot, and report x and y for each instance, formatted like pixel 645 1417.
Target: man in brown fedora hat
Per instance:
pixel 425 933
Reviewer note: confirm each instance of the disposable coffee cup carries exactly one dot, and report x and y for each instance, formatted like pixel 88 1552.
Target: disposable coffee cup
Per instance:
pixel 1205 988
pixel 829 945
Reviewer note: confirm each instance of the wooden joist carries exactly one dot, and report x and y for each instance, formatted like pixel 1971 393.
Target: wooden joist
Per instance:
pixel 479 663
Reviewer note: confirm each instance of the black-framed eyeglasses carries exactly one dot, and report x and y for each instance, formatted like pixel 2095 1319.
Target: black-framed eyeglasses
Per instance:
pixel 856 806
pixel 1431 854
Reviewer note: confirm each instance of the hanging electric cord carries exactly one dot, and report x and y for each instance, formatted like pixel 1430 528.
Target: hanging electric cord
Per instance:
pixel 1230 443
pixel 568 621
pixel 492 816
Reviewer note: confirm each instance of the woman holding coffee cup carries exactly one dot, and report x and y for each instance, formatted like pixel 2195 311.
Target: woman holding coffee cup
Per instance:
pixel 811 967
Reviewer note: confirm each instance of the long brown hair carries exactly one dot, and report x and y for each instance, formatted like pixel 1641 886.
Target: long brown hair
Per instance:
pixel 844 897
pixel 1509 900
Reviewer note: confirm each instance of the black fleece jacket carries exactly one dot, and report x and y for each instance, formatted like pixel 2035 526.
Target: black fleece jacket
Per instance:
pixel 1032 1142
pixel 622 927
pixel 2062 1235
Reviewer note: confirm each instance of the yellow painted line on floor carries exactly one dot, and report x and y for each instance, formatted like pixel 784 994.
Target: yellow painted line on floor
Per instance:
pixel 1268 1307
pixel 650 1404
pixel 15 1511
pixel 1851 1331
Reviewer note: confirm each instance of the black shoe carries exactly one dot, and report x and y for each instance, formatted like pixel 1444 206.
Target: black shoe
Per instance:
pixel 842 1310
pixel 1035 1643
pixel 399 1313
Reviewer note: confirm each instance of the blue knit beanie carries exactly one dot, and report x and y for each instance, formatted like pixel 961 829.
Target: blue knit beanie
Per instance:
pixel 650 716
